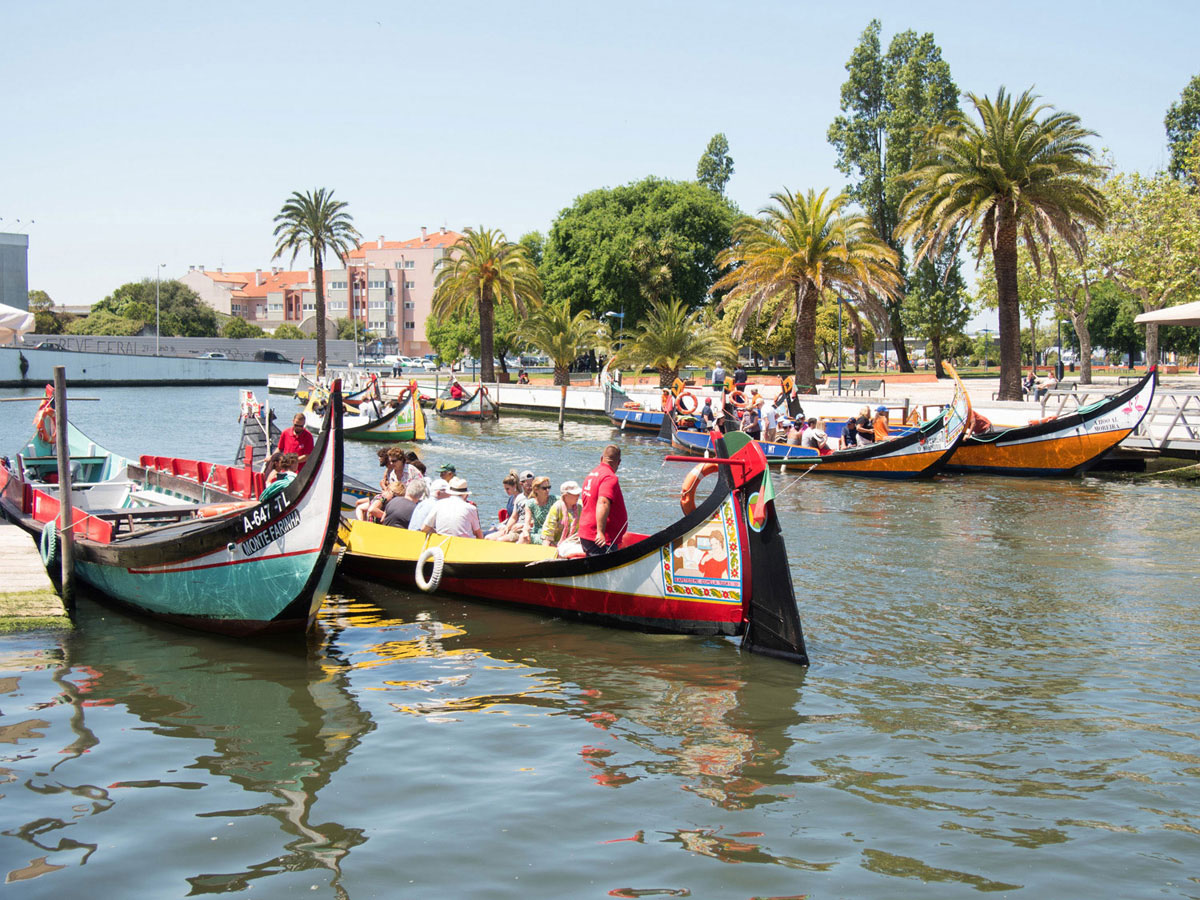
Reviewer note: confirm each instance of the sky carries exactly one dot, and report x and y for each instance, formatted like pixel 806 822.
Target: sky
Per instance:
pixel 137 134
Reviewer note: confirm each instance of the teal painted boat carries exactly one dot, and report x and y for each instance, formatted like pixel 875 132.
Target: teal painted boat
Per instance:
pixel 199 544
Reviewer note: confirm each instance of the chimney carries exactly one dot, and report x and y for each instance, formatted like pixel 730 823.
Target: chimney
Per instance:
pixel 443 229
pixel 202 268
pixel 381 242
pixel 191 268
pixel 258 277
pixel 220 270
pixel 422 232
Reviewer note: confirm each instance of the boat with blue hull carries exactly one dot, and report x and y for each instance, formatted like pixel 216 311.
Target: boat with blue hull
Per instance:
pixel 189 542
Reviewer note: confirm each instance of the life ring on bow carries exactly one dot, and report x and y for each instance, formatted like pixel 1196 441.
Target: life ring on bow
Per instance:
pixel 483 389
pixel 44 421
pixel 431 583
pixel 688 409
pixel 220 509
pixel 632 404
pixel 687 496
pixel 738 399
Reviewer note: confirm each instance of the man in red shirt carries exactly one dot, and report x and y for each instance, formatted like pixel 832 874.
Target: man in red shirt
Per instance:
pixel 603 519
pixel 297 439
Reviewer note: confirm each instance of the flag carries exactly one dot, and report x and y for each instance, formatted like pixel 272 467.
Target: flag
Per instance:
pixel 766 493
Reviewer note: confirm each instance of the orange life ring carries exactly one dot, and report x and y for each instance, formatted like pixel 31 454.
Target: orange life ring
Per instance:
pixel 684 396
pixel 483 388
pixel 687 496
pixel 738 399
pixel 44 420
pixel 632 404
pixel 220 509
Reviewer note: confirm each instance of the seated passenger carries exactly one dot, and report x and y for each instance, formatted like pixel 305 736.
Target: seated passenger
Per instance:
pixel 453 515
pixel 815 439
pixel 537 508
pixel 850 433
pixel 285 464
pixel 456 390
pixel 880 425
pixel 866 434
pixel 562 524
pixel 438 490
pixel 398 511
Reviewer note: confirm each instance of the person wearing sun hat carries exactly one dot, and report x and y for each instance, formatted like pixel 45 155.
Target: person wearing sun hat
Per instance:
pixel 454 516
pixel 562 524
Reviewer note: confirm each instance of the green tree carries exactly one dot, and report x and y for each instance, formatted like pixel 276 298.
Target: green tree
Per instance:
pixel 483 270
pixel 937 306
pixel 1183 125
pixel 317 224
pixel 769 331
pixel 42 307
pixel 669 338
pixel 1016 175
pixel 349 330
pixel 181 312
pixel 1151 246
pixel 459 334
pixel 289 332
pixel 716 165
pixel 106 322
pixel 534 243
pixel 801 247
pixel 1110 319
pixel 238 328
pixel 888 101
pixel 1035 295
pixel 589 253
pixel 563 338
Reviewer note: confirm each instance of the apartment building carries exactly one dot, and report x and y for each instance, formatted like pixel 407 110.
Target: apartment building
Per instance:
pixel 386 285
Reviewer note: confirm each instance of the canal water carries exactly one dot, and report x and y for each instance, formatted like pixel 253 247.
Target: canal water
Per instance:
pixel 1003 699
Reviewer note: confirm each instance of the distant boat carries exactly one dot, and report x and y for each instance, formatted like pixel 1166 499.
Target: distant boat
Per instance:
pixel 1062 445
pixel 478 405
pixel 190 542
pixel 396 420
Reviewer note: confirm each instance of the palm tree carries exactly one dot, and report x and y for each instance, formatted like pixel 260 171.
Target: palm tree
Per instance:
pixel 564 338
pixel 1011 176
pixel 804 246
pixel 316 222
pixel 669 338
pixel 483 268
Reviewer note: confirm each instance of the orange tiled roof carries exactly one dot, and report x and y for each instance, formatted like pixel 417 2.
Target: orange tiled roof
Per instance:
pixel 272 282
pixel 435 241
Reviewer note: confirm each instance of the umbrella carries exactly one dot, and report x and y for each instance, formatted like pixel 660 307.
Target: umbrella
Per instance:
pixel 14 322
pixel 1183 314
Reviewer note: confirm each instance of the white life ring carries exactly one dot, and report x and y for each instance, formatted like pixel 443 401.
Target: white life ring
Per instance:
pixel 439 560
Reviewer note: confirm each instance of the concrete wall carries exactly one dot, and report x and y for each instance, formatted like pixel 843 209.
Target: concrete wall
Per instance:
pixel 337 352
pixel 14 270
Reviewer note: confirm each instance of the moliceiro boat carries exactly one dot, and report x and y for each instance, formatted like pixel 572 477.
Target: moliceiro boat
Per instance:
pixel 1062 445
pixel 190 542
pixel 478 405
pixel 918 453
pixel 400 419
pixel 721 569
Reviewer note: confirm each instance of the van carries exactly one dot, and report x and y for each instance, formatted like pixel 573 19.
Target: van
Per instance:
pixel 271 356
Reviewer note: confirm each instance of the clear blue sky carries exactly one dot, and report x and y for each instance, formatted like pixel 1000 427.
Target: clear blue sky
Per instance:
pixel 145 133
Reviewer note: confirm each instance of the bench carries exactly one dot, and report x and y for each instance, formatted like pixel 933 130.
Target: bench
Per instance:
pixel 868 386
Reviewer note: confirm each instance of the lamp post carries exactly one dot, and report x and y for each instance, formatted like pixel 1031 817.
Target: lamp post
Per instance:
pixel 839 346
pixel 987 343
pixel 157 329
pixel 618 315
pixel 1058 321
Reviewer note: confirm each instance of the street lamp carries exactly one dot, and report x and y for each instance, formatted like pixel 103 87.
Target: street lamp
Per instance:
pixel 987 343
pixel 839 345
pixel 157 330
pixel 1058 321
pixel 618 315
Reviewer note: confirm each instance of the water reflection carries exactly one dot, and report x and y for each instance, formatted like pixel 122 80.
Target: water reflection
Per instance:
pixel 275 721
pixel 716 720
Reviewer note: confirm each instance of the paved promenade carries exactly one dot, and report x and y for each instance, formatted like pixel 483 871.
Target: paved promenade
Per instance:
pixel 27 597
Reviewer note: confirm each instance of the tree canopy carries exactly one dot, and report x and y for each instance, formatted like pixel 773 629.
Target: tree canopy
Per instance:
pixel 590 257
pixel 239 328
pixel 1183 125
pixel 888 101
pixel 131 308
pixel 716 165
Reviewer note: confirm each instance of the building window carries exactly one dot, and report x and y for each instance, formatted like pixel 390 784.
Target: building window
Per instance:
pixel 236 309
pixel 408 264
pixel 409 326
pixel 409 285
pixel 410 304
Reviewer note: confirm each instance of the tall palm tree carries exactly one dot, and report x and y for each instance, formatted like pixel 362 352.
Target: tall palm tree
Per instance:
pixel 564 338
pixel 1011 176
pixel 314 221
pixel 669 338
pixel 803 246
pixel 482 269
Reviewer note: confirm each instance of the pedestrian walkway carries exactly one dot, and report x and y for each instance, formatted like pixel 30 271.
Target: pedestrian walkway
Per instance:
pixel 27 597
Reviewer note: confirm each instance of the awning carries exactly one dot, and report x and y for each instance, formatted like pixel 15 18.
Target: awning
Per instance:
pixel 14 322
pixel 1183 314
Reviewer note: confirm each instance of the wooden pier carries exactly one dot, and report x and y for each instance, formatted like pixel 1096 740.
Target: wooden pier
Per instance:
pixel 27 596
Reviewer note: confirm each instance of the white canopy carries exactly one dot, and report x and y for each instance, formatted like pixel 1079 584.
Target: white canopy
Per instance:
pixel 1183 314
pixel 14 322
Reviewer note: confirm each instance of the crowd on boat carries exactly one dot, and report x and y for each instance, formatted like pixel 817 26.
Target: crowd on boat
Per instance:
pixel 575 521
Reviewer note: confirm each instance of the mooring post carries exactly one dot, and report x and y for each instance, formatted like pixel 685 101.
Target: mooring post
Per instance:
pixel 65 512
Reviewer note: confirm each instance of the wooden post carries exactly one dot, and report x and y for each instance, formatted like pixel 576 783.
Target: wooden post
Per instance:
pixel 65 512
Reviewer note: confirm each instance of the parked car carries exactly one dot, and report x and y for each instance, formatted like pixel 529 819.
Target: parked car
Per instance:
pixel 213 355
pixel 268 356
pixel 49 345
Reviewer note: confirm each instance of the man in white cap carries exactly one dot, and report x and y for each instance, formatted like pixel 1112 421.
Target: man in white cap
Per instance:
pixel 454 516
pixel 439 489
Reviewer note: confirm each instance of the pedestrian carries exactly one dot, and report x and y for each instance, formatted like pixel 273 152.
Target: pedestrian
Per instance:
pixel 739 378
pixel 718 377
